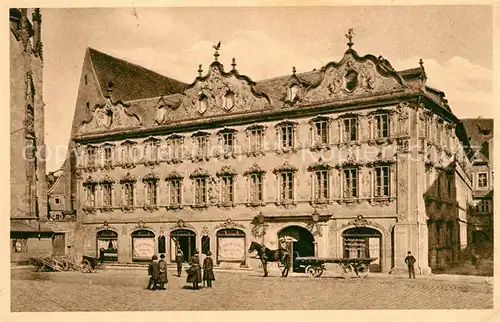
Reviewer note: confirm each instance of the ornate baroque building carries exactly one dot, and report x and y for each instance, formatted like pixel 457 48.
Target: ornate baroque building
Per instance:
pixel 353 159
pixel 27 148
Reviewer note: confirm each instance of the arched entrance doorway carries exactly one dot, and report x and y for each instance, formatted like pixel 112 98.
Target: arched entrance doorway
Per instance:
pixel 231 245
pixel 143 245
pixel 107 245
pixel 182 239
pixel 302 240
pixel 363 242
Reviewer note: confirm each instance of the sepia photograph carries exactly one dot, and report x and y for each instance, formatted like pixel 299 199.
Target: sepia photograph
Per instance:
pixel 251 158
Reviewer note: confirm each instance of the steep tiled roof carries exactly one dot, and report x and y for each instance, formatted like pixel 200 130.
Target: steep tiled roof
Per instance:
pixel 130 82
pixel 480 132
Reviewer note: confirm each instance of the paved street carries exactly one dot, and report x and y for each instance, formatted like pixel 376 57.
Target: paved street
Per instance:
pixel 124 290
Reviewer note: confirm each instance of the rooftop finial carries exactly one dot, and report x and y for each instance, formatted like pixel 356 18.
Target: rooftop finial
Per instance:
pixel 421 63
pixel 200 70
pixel 234 63
pixel 349 35
pixel 216 47
pixel 293 70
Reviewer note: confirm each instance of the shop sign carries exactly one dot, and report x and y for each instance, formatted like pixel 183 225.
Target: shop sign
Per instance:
pixel 231 248
pixel 144 247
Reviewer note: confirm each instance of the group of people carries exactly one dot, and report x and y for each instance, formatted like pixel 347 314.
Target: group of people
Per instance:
pixel 157 271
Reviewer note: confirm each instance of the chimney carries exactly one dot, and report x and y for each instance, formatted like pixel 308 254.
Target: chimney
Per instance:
pixel 37 31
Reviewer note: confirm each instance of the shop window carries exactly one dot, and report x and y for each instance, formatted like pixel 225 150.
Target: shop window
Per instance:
pixel 231 245
pixel 143 245
pixel 107 245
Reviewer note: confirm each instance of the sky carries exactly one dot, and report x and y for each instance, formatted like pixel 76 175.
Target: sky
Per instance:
pixel 455 43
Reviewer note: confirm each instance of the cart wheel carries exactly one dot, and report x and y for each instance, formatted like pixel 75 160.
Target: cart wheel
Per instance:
pixel 86 267
pixel 310 271
pixel 318 271
pixel 347 271
pixel 363 270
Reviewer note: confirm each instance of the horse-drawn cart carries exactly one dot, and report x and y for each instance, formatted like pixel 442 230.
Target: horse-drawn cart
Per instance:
pixel 351 267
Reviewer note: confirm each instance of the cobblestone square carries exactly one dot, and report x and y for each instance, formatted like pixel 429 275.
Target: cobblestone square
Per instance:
pixel 125 290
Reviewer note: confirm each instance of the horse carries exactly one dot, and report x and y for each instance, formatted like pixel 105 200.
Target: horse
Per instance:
pixel 269 255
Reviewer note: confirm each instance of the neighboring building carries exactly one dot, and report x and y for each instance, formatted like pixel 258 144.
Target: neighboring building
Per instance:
pixel 352 160
pixel 480 133
pixel 27 147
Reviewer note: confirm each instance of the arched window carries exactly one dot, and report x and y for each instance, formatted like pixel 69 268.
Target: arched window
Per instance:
pixel 231 245
pixel 143 245
pixel 107 245
pixel 205 244
pixel 162 245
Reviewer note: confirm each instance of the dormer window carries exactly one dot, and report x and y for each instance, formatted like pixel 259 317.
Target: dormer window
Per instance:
pixel 293 92
pixel 229 100
pixel 351 80
pixel 202 103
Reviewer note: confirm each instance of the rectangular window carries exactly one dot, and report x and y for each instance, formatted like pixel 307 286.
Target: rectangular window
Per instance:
pixel 321 133
pixel 151 151
pixel 175 192
pixel 256 137
pixel 382 182
pixel 449 182
pixel 286 186
pixel 175 146
pixel 483 206
pixel 482 180
pixel 151 193
pixel 321 187
pixel 381 126
pixel 127 153
pixel 108 156
pixel 57 201
pixel 202 146
pixel 350 183
pixel 129 194
pixel 287 136
pixel 227 189
pixel 200 197
pixel 90 189
pixel 350 129
pixel 256 192
pixel 91 157
pixel 228 142
pixel 107 193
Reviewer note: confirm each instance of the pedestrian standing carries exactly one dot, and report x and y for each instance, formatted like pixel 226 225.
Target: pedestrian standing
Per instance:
pixel 153 272
pixel 477 261
pixel 208 270
pixel 194 275
pixel 179 258
pixel 162 278
pixel 410 261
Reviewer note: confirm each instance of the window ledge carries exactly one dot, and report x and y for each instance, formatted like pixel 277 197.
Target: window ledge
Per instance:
pixel 199 206
pixel 106 209
pixel 127 208
pixel 89 209
pixel 255 204
pixel 175 207
pixel 127 165
pixel 254 153
pixel 286 204
pixel 319 147
pixel 226 205
pixel 174 161
pixel 150 208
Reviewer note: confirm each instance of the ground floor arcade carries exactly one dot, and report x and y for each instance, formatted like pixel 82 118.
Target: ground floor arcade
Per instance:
pixel 228 241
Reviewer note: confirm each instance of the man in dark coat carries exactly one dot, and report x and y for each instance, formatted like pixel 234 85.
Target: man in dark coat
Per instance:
pixel 162 278
pixel 179 258
pixel 208 269
pixel 194 275
pixel 410 261
pixel 153 272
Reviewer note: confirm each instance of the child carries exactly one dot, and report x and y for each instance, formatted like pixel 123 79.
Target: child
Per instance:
pixel 208 270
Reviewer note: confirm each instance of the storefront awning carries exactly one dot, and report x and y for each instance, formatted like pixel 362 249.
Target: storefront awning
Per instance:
pixel 22 230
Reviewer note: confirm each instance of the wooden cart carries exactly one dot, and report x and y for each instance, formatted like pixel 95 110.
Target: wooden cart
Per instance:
pixel 351 267
pixel 90 264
